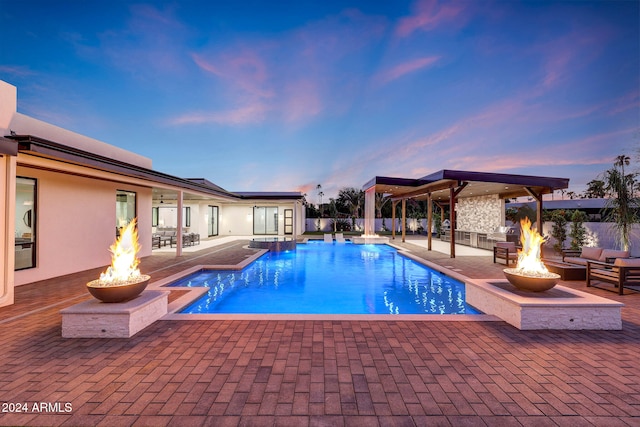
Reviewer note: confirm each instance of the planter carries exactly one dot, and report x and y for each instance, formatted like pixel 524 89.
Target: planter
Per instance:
pixel 531 283
pixel 118 293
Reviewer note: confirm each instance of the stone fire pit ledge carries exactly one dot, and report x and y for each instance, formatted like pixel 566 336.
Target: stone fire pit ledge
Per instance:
pixel 558 308
pixel 95 319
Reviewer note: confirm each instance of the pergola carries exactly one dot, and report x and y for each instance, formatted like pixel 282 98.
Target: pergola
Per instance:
pixel 445 187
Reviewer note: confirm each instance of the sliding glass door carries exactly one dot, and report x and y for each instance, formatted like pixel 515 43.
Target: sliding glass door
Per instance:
pixel 265 220
pixel 213 221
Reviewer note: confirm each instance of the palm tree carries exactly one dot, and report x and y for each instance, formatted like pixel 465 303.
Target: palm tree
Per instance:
pixel 320 194
pixel 352 198
pixel 595 189
pixel 622 205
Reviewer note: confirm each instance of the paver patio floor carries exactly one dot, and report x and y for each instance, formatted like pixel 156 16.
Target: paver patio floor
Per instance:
pixel 325 373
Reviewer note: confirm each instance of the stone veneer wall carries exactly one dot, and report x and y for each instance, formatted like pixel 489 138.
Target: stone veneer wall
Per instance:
pixel 482 214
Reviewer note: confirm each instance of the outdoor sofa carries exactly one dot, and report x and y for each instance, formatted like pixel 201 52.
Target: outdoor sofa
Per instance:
pixel 168 236
pixel 592 254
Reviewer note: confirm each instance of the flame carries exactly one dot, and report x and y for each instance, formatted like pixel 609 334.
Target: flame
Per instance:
pixel 124 260
pixel 529 258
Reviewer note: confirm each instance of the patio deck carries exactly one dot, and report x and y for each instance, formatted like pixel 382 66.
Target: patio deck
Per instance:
pixel 302 373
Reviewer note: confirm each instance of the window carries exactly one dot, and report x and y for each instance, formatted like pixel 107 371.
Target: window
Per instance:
pixel 155 214
pixel 265 220
pixel 186 214
pixel 125 209
pixel 25 232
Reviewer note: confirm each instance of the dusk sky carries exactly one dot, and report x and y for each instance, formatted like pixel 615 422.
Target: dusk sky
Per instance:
pixel 285 95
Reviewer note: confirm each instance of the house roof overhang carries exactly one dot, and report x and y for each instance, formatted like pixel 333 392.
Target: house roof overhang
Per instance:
pixel 465 184
pixel 8 147
pixel 266 195
pixel 40 147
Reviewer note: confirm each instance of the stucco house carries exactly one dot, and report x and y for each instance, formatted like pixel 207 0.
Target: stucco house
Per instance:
pixel 64 196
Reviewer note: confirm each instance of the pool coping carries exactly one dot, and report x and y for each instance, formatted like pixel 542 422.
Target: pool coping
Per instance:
pixel 194 293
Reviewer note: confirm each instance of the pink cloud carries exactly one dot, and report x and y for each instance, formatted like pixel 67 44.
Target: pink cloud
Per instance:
pixel 253 113
pixel 16 70
pixel 301 100
pixel 626 102
pixel 428 15
pixel 406 68
pixel 244 69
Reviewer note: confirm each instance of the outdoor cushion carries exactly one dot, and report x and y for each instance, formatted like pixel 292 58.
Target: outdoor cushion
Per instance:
pixel 591 253
pixel 610 253
pixel 576 260
pixel 627 262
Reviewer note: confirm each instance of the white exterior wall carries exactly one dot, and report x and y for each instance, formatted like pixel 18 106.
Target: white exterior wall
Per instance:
pixel 7 226
pixel 237 219
pixel 76 223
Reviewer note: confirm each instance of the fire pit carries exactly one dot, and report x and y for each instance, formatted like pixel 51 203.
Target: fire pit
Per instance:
pixel 122 281
pixel 530 274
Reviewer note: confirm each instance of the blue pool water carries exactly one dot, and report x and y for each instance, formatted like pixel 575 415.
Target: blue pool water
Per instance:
pixel 323 278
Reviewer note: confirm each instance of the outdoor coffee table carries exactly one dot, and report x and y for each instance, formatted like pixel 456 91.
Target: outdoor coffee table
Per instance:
pixel 567 271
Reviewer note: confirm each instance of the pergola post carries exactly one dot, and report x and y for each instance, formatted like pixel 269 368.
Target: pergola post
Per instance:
pixel 429 220
pixel 404 219
pixel 538 198
pixel 179 226
pixel 452 231
pixel 394 203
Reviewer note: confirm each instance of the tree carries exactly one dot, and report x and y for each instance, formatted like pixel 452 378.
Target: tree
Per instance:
pixel 577 231
pixel 515 215
pixel 381 201
pixel 352 198
pixel 595 189
pixel 333 212
pixel 320 194
pixel 622 207
pixel 559 230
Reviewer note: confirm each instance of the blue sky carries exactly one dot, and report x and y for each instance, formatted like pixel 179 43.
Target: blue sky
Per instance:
pixel 286 95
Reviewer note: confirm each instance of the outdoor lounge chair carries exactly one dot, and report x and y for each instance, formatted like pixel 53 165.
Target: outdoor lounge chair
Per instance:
pixel 339 238
pixel 623 272
pixel 506 251
pixel 328 238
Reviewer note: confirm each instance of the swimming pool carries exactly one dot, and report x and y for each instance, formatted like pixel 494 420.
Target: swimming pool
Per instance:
pixel 329 278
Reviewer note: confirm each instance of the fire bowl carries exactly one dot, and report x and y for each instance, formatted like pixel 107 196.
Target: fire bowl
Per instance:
pixel 118 293
pixel 531 283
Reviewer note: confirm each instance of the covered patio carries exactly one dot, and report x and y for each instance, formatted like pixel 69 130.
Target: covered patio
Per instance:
pixel 479 197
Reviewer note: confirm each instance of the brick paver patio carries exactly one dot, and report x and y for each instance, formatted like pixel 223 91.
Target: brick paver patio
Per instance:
pixel 299 373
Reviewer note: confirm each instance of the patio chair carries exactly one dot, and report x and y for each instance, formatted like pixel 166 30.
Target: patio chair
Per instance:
pixel 328 238
pixel 506 251
pixel 623 272
pixel 340 238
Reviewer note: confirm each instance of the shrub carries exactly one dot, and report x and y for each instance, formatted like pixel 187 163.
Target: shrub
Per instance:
pixel 577 232
pixel 341 224
pixel 559 230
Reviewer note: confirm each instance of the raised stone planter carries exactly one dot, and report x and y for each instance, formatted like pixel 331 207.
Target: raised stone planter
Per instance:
pixel 94 319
